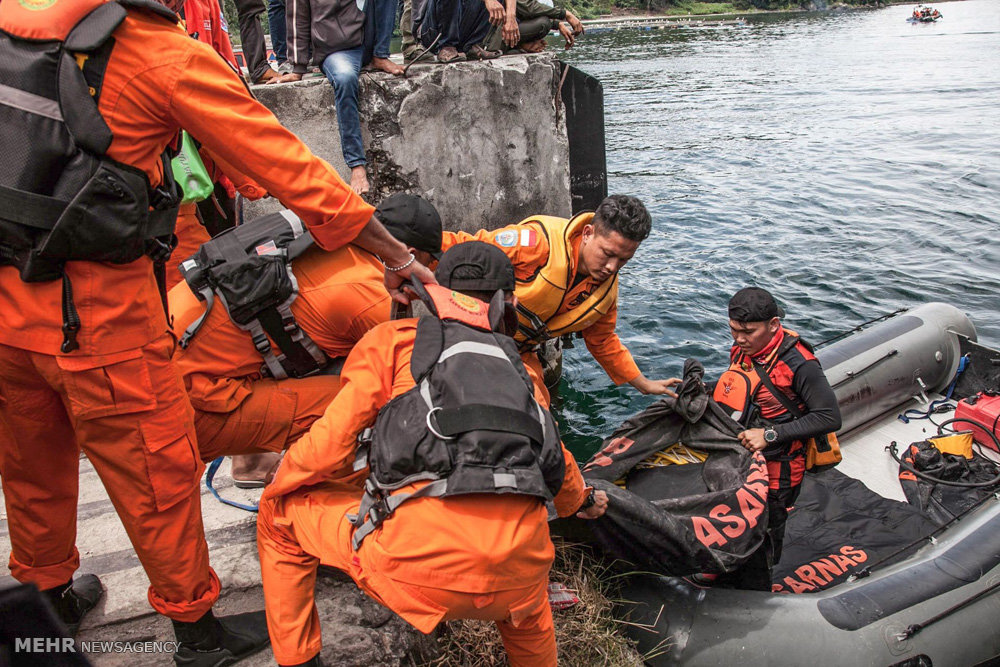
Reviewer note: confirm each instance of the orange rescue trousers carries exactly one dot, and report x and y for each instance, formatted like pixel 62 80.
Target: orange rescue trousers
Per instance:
pixel 272 417
pixel 129 413
pixel 298 532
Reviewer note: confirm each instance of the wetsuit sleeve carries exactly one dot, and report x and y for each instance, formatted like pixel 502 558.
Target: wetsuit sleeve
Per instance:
pixel 823 412
pixel 209 100
pixel 608 349
pixel 328 448
pixel 529 9
pixel 571 495
pixel 527 252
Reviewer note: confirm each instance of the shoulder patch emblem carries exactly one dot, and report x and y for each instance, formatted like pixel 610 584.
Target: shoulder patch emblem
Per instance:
pixel 507 238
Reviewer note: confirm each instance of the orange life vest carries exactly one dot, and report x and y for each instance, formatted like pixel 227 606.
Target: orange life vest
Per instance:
pixel 540 298
pixel 738 386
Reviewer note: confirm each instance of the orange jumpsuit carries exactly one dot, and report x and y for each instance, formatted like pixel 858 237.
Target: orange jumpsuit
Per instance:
pixel 341 296
pixel 475 556
pixel 119 397
pixel 529 253
pixel 204 22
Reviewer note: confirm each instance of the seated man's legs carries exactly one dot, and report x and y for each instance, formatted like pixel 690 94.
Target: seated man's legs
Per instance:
pixel 474 24
pixel 342 69
pixel 385 22
pixel 273 416
pixel 252 36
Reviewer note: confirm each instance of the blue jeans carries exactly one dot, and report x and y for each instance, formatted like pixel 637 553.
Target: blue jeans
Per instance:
pixel 342 69
pixel 276 23
pixel 385 22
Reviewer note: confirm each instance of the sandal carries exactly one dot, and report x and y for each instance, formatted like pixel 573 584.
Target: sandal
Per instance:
pixel 449 54
pixel 477 52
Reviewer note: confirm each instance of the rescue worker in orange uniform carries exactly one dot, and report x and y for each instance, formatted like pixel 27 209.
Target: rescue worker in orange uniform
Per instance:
pixel 84 344
pixel 567 282
pixel 341 297
pixel 472 540
pixel 761 343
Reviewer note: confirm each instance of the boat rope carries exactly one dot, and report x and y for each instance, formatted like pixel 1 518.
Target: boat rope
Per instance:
pixel 860 327
pixel 942 404
pixel 917 627
pixel 853 374
pixel 213 468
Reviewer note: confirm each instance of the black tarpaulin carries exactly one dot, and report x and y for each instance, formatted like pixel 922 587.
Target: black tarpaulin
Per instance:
pixel 839 526
pixel 679 519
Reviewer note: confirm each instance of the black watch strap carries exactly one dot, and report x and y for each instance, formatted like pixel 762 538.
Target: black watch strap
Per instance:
pixel 589 501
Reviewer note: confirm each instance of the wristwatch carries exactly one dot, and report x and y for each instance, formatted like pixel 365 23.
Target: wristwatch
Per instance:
pixel 589 501
pixel 770 435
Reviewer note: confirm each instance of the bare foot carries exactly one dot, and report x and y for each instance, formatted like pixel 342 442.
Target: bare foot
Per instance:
pixel 387 65
pixel 359 179
pixel 285 78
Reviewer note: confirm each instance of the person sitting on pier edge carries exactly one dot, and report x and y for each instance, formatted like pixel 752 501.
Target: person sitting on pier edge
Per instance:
pixel 567 282
pixel 332 33
pixel 760 342
pixel 341 297
pixel 471 539
pixel 456 29
pixel 534 22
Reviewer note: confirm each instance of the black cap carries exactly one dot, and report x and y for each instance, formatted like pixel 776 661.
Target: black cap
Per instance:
pixel 753 304
pixel 487 268
pixel 412 220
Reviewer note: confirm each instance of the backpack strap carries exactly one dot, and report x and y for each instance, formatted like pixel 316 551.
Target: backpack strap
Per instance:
pixel 151 6
pixel 779 395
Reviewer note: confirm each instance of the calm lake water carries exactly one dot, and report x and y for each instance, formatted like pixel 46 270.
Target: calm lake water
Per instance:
pixel 847 161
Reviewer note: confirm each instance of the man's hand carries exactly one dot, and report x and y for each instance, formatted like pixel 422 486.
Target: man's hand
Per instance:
pixel 753 439
pixel 567 34
pixel 596 510
pixel 574 23
pixel 495 10
pixel 394 280
pixel 510 32
pixel 647 386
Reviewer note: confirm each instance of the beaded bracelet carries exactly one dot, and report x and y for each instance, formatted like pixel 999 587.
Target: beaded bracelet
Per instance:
pixel 400 268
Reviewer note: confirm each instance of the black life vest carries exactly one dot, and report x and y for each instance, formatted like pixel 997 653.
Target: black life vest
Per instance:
pixel 471 423
pixel 249 268
pixel 61 197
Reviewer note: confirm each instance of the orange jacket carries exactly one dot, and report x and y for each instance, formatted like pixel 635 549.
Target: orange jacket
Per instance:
pixel 474 543
pixel 341 296
pixel 159 80
pixel 528 251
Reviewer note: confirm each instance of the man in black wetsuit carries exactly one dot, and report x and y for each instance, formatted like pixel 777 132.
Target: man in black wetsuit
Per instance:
pixel 777 426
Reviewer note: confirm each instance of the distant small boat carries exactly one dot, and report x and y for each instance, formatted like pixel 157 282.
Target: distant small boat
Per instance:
pixel 924 14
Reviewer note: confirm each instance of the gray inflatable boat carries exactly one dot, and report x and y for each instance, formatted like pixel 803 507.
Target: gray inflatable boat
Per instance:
pixel 935 602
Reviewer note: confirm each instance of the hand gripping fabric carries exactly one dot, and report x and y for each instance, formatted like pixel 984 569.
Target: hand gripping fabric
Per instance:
pixel 471 423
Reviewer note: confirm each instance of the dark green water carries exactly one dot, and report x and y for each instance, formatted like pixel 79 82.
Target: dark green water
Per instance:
pixel 848 162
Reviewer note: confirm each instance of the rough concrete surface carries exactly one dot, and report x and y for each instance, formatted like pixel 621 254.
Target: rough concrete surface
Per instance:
pixel 484 141
pixel 356 630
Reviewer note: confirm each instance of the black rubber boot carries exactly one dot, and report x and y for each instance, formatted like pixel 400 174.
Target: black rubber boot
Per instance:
pixel 214 642
pixel 74 599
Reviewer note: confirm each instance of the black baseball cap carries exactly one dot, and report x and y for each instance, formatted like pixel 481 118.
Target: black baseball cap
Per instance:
pixel 488 270
pixel 753 304
pixel 412 220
